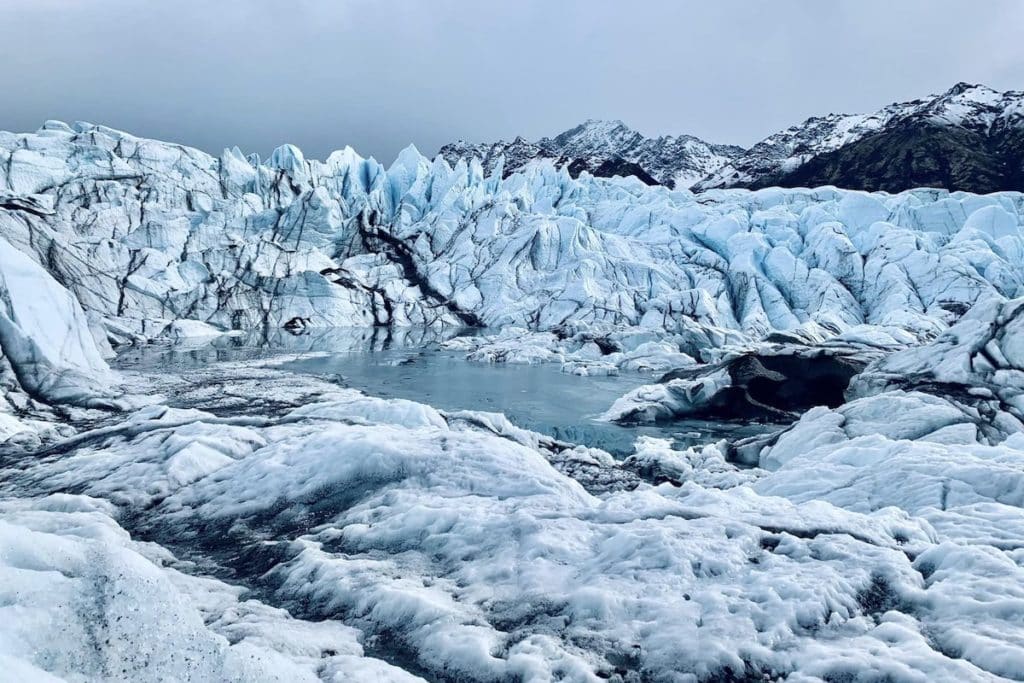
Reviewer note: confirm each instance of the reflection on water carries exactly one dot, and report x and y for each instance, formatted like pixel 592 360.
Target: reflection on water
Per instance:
pixel 409 364
pixel 255 345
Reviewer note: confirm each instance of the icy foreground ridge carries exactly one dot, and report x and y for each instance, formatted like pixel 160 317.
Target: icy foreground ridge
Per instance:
pixel 271 526
pixel 458 545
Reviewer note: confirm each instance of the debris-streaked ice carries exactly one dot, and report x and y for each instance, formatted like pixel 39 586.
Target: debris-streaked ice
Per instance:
pixel 478 558
pixel 144 233
pixel 295 529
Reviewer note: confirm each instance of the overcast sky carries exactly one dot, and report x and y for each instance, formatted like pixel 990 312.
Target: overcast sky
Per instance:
pixel 378 74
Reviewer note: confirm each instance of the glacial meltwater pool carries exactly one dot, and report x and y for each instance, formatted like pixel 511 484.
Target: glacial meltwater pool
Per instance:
pixel 411 364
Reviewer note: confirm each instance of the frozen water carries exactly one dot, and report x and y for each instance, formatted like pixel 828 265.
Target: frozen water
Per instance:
pixel 255 516
pixel 147 233
pixel 81 601
pixel 538 397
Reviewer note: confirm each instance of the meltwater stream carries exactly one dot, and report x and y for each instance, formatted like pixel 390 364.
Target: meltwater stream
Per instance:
pixel 411 364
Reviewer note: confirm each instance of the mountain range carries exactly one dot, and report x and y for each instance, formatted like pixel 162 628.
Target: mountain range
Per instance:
pixel 968 138
pixel 605 149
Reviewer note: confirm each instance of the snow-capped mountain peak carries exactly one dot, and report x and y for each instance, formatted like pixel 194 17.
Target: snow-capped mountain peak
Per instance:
pixel 594 136
pixel 607 147
pixel 972 106
pixel 968 137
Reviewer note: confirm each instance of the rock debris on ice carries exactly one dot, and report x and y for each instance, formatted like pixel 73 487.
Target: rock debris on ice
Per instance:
pixel 242 522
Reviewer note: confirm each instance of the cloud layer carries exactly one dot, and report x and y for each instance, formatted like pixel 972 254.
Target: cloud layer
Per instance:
pixel 378 75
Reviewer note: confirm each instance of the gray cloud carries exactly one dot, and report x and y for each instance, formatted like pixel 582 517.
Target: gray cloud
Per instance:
pixel 378 75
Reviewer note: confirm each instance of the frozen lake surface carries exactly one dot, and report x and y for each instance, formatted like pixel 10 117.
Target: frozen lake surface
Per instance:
pixel 413 366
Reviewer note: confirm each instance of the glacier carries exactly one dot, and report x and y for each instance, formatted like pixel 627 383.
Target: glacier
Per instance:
pixel 144 233
pixel 241 521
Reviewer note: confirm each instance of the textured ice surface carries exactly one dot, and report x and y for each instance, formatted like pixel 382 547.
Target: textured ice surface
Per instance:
pixel 81 601
pixel 144 233
pixel 475 558
pixel 465 548
pixel 774 379
pixel 583 352
pixel 877 535
pixel 44 333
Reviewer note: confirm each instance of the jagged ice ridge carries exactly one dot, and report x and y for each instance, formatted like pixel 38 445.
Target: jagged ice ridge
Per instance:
pixel 880 538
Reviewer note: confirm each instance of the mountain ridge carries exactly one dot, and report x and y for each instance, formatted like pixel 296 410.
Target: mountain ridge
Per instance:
pixel 970 138
pixel 605 148
pixel 979 132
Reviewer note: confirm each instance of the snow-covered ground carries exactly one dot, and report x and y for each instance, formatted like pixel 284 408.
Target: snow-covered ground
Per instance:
pixel 242 521
pixel 462 548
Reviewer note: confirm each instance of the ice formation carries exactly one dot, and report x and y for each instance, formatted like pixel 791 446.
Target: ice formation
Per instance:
pixel 242 522
pixel 144 233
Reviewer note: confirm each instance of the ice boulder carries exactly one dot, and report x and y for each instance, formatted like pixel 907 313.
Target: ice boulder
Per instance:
pixel 45 337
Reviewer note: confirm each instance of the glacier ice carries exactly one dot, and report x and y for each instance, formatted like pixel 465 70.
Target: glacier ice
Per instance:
pixel 479 559
pixel 82 601
pixel 258 524
pixel 144 233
